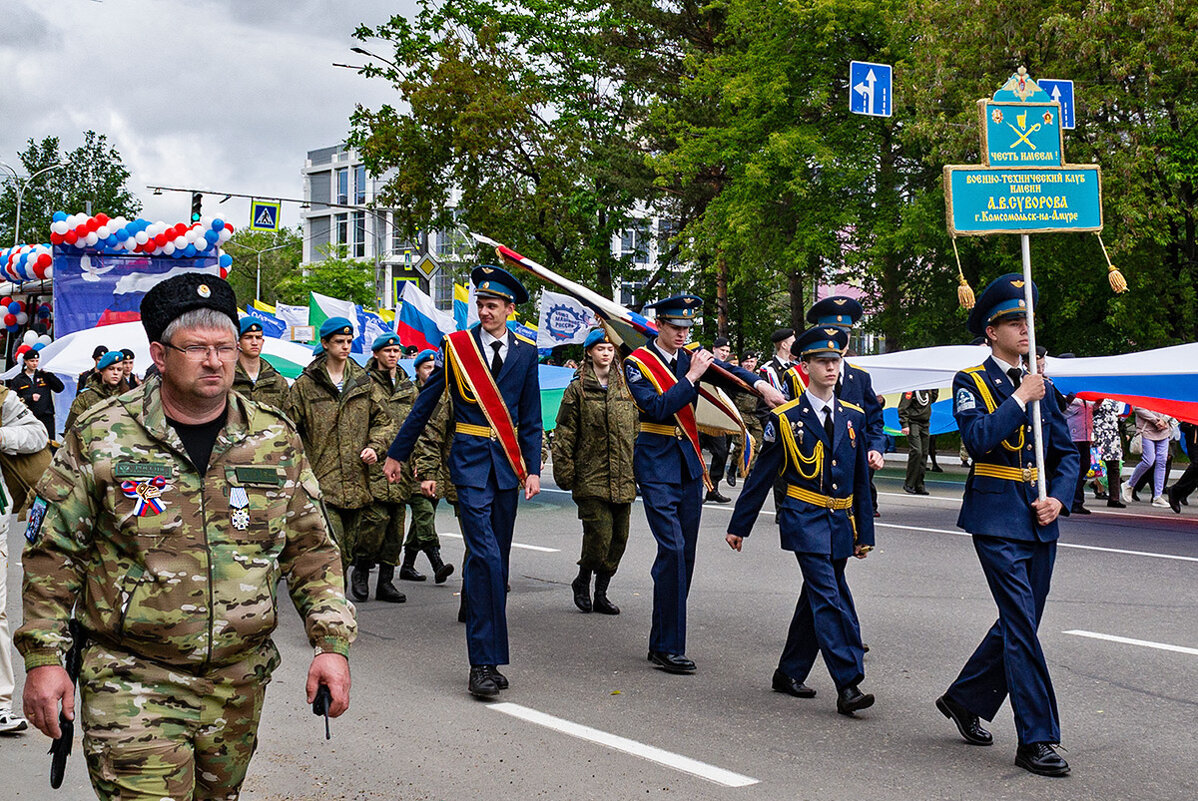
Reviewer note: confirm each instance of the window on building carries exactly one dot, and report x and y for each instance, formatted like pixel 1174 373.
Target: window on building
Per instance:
pixel 343 185
pixel 397 243
pixel 342 229
pixel 634 243
pixel 666 230
pixel 360 183
pixel 443 290
pixel 359 249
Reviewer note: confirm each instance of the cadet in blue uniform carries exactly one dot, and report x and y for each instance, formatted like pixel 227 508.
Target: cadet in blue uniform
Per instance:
pixel 480 467
pixel 817 444
pixel 1014 533
pixel 663 377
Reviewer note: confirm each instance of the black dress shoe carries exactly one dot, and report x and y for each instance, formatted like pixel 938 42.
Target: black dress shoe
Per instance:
pixel 785 684
pixel 864 648
pixel 922 491
pixel 1115 503
pixel 967 722
pixel 715 497
pixel 1039 758
pixel 671 663
pixel 1174 504
pixel 482 682
pixel 937 469
pixel 910 490
pixel 851 699
pixel 731 478
pixel 1079 510
pixel 500 680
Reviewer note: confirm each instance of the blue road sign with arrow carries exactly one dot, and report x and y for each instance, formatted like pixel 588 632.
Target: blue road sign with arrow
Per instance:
pixel 1062 92
pixel 871 89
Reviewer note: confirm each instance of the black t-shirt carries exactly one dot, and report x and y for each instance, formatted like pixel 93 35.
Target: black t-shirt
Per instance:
pixel 198 440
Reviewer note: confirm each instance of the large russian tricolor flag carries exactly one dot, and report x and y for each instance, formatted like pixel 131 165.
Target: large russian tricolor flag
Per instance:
pixel 420 322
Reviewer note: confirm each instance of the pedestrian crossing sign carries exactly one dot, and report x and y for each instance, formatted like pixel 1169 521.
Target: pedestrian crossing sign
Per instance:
pixel 264 215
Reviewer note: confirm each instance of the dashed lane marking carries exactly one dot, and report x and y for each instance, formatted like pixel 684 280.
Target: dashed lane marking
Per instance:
pixel 540 548
pixel 1160 646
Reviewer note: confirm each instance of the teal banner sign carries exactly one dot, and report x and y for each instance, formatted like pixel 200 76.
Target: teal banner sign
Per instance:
pixel 998 200
pixel 1021 134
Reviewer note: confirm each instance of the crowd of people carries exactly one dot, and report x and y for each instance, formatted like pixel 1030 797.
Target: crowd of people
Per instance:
pixel 315 481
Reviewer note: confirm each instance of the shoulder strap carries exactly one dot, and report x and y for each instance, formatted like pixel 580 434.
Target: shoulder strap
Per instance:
pixel 662 379
pixel 469 365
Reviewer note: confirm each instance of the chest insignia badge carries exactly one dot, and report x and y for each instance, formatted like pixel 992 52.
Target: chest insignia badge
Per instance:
pixel 148 494
pixel 239 501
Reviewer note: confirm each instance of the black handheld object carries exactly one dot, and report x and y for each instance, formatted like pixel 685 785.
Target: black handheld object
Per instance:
pixel 60 749
pixel 320 706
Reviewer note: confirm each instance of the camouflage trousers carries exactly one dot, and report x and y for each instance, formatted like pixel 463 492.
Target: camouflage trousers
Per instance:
pixel 380 533
pixel 346 525
pixel 756 432
pixel 151 731
pixel 423 531
pixel 604 533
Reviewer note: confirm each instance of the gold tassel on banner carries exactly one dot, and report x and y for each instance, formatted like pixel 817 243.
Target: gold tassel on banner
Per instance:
pixel 964 290
pixel 1118 282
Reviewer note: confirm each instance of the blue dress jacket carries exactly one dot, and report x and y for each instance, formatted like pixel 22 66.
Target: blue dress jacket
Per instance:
pixel 856 387
pixel 473 459
pixel 795 447
pixel 998 435
pixel 671 459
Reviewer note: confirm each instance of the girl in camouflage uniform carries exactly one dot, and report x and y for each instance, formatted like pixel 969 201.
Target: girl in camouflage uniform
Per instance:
pixel 592 457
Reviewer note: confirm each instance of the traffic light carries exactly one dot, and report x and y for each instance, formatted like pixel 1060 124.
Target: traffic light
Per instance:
pixel 197 200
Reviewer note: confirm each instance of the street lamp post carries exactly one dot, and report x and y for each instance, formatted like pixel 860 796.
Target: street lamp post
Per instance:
pixel 258 254
pixel 21 187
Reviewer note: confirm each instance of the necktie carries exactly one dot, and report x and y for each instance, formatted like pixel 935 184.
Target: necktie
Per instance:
pixel 1016 376
pixel 496 361
pixel 828 427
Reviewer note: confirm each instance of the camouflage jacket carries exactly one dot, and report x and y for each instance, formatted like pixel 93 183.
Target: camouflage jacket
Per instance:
pixel 171 566
pixel 94 391
pixel 594 438
pixel 430 459
pixel 337 426
pixel 746 404
pixel 397 399
pixel 270 388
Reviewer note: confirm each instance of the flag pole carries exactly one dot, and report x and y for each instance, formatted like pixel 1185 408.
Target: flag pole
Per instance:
pixel 1025 243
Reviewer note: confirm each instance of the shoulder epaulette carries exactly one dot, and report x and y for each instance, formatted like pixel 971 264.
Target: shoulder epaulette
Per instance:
pixel 780 410
pixel 852 406
pixel 974 369
pixel 523 338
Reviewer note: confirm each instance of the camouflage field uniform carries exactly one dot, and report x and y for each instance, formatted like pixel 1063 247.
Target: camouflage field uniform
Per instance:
pixel 746 404
pixel 94 391
pixel 381 537
pixel 592 457
pixel 270 388
pixel 174 577
pixel 336 427
pixel 430 460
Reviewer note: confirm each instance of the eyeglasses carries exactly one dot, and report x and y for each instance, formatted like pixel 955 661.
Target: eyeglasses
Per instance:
pixel 199 353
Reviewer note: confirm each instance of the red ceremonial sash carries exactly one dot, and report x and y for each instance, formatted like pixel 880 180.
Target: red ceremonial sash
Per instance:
pixel 800 378
pixel 467 360
pixel 662 379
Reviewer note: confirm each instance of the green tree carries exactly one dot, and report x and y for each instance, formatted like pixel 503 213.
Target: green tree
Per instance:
pixel 94 173
pixel 279 253
pixel 336 275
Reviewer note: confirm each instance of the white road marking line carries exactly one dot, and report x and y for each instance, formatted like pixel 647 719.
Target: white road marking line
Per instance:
pixel 1160 646
pixel 1124 551
pixel 539 548
pixel 918 497
pixel 667 758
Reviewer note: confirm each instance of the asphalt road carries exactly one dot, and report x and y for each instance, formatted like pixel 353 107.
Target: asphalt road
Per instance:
pixel 412 732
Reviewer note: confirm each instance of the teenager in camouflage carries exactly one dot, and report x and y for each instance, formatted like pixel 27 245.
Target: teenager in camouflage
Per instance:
pixel 166 521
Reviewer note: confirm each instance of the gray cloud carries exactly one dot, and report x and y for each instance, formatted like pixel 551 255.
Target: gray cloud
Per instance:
pixel 220 94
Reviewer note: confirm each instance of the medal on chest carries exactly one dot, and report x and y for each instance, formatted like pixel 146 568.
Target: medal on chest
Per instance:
pixel 797 430
pixel 239 502
pixel 148 494
pixel 852 433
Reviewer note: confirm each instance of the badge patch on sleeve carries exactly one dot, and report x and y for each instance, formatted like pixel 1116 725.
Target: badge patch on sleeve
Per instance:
pixel 633 374
pixel 769 435
pixel 37 513
pixel 965 400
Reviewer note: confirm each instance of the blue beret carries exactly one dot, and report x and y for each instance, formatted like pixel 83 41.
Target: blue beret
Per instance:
pixel 249 324
pixel 425 355
pixel 836 310
pixel 336 325
pixel 820 341
pixel 1003 298
pixel 497 282
pixel 680 310
pixel 596 337
pixel 385 341
pixel 110 358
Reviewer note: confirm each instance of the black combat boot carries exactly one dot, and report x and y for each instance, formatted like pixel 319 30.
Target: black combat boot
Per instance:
pixel 359 582
pixel 441 571
pixel 582 590
pixel 407 571
pixel 732 477
pixel 601 604
pixel 385 590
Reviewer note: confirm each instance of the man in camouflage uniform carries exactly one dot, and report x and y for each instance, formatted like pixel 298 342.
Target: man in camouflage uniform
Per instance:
pixel 106 381
pixel 253 376
pixel 344 428
pixel 166 521
pixel 382 521
pixel 746 404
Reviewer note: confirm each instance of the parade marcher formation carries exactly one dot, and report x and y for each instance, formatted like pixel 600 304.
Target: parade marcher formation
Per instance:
pixel 165 522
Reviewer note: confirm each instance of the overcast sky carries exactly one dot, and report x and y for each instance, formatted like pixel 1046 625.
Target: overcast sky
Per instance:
pixel 221 94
